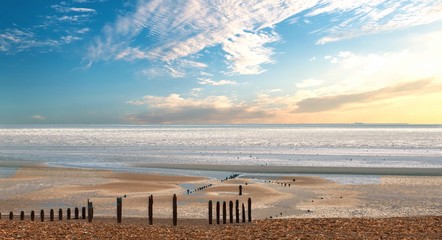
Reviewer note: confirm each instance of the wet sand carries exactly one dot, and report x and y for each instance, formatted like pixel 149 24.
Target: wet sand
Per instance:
pixel 40 187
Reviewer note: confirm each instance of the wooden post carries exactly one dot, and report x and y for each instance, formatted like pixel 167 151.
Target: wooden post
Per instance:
pixel 11 215
pixel 60 214
pixel 249 209
pixel 51 215
pixel 240 190
pixel 83 213
pixel 42 215
pixel 224 213
pixel 119 209
pixel 210 212
pixel 68 214
pixel 237 210
pixel 22 216
pixel 0 215
pixel 217 212
pixel 76 213
pixel 32 215
pixel 90 211
pixel 243 213
pixel 150 209
pixel 231 211
pixel 174 210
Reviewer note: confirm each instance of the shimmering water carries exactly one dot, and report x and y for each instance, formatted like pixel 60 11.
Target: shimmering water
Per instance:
pixel 356 145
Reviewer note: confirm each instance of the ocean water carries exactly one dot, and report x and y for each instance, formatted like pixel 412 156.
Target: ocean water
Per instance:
pixel 117 147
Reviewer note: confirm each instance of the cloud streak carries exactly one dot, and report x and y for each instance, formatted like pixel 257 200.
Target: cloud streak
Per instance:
pixel 327 103
pixel 38 117
pixel 175 109
pixel 65 25
pixel 208 81
pixel 15 40
pixel 244 30
pixel 355 18
pixel 182 29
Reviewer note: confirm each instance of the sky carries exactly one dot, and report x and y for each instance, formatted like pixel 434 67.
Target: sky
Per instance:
pixel 220 61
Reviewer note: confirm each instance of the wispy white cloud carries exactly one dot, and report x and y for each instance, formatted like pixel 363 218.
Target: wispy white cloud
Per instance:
pixel 174 72
pixel 355 18
pixel 208 81
pixel 66 24
pixel 195 92
pixel 38 117
pixel 83 30
pixel 244 30
pixel 83 10
pixel 275 90
pixel 70 38
pixel 88 1
pixel 186 28
pixel 15 40
pixel 206 74
pixel 176 68
pixel 67 9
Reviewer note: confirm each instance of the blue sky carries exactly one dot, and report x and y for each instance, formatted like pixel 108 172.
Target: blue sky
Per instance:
pixel 211 62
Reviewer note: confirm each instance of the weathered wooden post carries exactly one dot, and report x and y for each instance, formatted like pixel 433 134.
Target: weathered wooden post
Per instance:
pixel 249 208
pixel 0 215
pixel 83 213
pixel 90 211
pixel 68 214
pixel 32 215
pixel 22 215
pixel 60 214
pixel 243 213
pixel 76 213
pixel 150 209
pixel 174 212
pixel 217 212
pixel 231 211
pixel 51 215
pixel 11 215
pixel 119 209
pixel 42 215
pixel 237 210
pixel 210 212
pixel 240 190
pixel 224 213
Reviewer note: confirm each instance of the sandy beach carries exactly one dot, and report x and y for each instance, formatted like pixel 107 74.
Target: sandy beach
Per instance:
pixel 282 205
pixel 35 187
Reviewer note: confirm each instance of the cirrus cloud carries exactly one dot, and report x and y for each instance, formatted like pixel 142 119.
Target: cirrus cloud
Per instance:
pixel 244 30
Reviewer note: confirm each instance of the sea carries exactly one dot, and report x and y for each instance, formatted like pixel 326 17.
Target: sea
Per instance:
pixel 120 147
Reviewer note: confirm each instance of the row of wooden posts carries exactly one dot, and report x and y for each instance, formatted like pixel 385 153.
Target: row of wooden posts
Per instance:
pixel 249 211
pixel 90 212
pixel 149 209
pixel 51 214
pixel 233 176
